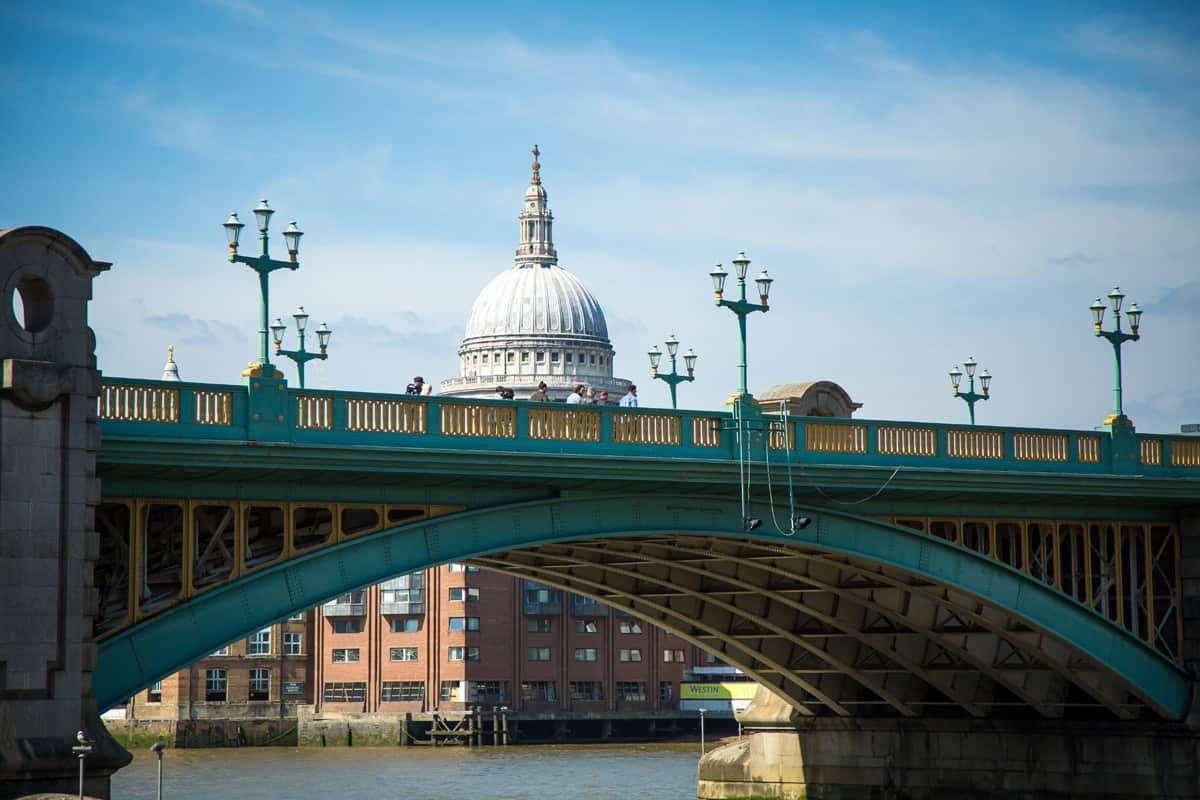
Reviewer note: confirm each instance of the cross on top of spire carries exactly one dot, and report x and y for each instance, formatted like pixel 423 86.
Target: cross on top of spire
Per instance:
pixel 536 180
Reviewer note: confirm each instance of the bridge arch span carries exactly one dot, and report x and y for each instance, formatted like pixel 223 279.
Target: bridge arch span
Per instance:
pixel 850 616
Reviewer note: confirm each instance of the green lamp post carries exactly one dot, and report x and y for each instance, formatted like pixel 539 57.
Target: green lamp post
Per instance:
pixel 264 265
pixel 1116 337
pixel 741 307
pixel 970 395
pixel 300 355
pixel 672 378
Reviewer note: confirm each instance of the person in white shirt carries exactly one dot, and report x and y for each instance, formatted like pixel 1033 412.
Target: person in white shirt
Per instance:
pixel 630 400
pixel 576 397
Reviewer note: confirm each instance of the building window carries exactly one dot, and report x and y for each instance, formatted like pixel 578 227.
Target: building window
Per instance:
pixel 512 357
pixel 345 692
pixel 553 356
pixel 631 691
pixel 296 617
pixel 630 626
pixel 216 682
pixel 485 357
pixel 585 626
pixel 404 654
pixel 541 594
pixel 666 691
pixel 222 651
pixel 292 644
pixel 486 691
pixel 631 654
pixel 462 654
pixel 348 599
pixel 259 644
pixel 260 684
pixel 539 654
pixel 154 693
pixel 585 654
pixel 539 691
pixel 538 625
pixel 570 357
pixel 541 356
pixel 451 691
pixel 403 691
pixel 460 594
pixel 404 624
pixel 346 624
pixel 587 691
pixel 464 623
pixel 345 655
pixel 710 658
pixel 456 567
pixel 524 356
pixel 404 594
pixel 672 655
pixel 592 359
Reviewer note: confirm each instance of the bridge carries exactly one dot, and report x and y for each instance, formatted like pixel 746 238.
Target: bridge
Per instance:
pixel 899 570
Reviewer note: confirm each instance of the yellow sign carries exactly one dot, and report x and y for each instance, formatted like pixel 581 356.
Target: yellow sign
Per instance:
pixel 730 690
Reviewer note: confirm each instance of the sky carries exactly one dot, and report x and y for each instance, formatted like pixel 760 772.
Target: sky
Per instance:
pixel 925 182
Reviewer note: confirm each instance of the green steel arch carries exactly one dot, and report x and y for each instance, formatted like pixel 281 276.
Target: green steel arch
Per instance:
pixel 684 564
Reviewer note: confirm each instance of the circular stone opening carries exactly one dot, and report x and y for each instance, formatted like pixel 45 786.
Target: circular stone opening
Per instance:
pixel 33 304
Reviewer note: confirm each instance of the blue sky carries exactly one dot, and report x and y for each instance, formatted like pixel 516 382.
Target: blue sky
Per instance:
pixel 925 182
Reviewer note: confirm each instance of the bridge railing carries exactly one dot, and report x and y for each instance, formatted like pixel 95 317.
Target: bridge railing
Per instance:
pixel 174 410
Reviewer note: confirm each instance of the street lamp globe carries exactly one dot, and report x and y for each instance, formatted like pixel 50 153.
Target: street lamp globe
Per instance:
pixel 718 276
pixel 1115 298
pixel 323 334
pixel 689 360
pixel 301 317
pixel 985 380
pixel 672 345
pixel 955 377
pixel 292 235
pixel 764 282
pixel 655 356
pixel 1097 308
pixel 741 264
pixel 277 329
pixel 233 231
pixel 262 215
pixel 1135 317
pixel 970 365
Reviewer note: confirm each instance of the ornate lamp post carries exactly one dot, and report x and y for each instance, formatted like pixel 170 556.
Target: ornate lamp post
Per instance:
pixel 300 355
pixel 673 378
pixel 970 395
pixel 741 307
pixel 743 404
pixel 1116 337
pixel 264 265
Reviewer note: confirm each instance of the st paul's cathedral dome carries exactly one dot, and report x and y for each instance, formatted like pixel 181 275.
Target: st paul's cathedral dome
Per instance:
pixel 535 322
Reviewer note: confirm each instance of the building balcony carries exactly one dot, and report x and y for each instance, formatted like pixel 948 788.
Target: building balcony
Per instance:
pixel 345 609
pixel 402 608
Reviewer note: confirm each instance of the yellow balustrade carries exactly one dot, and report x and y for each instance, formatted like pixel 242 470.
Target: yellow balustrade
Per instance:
pixel 137 403
pixel 314 413
pixel 384 416
pixel 783 436
pixel 1041 446
pixel 1151 452
pixel 1185 452
pixel 636 428
pixel 966 443
pixel 904 441
pixel 214 407
pixel 564 424
pixel 820 437
pixel 1089 449
pixel 493 422
pixel 706 431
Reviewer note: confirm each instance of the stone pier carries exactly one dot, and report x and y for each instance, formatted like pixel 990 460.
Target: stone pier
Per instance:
pixel 48 493
pixel 788 758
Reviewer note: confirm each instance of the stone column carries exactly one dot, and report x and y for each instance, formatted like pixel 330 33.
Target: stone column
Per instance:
pixel 48 492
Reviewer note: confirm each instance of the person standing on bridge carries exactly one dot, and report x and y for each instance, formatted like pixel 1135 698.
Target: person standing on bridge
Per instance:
pixel 630 400
pixel 590 399
pixel 540 395
pixel 416 387
pixel 576 397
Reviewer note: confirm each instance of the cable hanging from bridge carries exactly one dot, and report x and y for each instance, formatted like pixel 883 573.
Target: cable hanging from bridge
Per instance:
pixel 798 523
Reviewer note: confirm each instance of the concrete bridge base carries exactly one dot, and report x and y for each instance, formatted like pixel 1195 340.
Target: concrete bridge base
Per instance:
pixel 790 758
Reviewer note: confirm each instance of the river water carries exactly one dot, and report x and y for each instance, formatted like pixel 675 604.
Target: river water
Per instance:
pixel 528 772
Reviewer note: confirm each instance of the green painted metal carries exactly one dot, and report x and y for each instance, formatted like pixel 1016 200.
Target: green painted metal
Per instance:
pixel 301 357
pixel 1116 337
pixel 672 378
pixel 264 265
pixel 256 409
pixel 742 308
pixel 162 644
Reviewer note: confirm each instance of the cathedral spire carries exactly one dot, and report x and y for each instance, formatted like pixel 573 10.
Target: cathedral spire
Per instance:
pixel 536 247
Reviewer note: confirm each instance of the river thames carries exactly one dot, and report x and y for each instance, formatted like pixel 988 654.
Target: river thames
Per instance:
pixel 528 772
